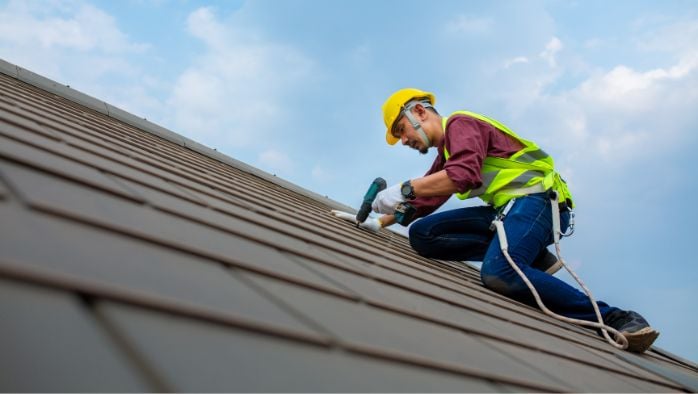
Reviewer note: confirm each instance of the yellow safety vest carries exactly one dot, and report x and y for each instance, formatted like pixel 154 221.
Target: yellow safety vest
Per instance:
pixel 529 169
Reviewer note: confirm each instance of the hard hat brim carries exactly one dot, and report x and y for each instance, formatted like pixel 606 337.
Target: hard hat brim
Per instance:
pixel 390 139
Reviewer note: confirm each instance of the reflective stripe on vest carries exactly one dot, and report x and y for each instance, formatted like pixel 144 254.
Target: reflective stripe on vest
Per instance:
pixel 500 177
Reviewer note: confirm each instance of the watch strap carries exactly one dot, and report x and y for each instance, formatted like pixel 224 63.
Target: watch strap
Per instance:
pixel 407 190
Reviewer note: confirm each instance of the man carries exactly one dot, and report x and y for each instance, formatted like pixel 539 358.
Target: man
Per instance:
pixel 480 157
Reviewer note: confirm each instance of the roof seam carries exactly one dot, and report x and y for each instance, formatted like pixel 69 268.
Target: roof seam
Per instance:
pixel 103 291
pixel 399 357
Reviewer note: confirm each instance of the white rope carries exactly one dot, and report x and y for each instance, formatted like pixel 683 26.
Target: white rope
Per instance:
pixel 620 341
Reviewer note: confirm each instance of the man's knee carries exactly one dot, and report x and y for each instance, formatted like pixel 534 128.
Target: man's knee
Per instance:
pixel 498 276
pixel 496 284
pixel 419 238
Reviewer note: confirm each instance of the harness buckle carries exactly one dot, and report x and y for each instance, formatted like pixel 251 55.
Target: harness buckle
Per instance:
pixel 570 227
pixel 563 206
pixel 502 213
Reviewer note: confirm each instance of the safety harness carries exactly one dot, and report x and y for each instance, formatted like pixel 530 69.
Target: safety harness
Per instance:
pixel 619 341
pixel 507 178
pixel 529 171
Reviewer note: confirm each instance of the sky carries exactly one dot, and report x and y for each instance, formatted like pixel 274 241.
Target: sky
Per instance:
pixel 295 87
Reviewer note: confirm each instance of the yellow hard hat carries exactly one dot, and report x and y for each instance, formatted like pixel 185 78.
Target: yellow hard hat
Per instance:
pixel 393 106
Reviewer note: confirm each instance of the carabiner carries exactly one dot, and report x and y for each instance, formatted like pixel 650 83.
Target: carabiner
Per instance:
pixel 570 227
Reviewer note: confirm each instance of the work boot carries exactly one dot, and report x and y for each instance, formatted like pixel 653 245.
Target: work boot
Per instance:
pixel 547 262
pixel 634 327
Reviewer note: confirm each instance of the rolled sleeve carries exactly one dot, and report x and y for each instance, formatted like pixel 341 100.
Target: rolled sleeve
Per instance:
pixel 427 205
pixel 467 145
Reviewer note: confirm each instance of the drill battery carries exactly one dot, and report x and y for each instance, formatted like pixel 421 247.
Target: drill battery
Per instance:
pixel 404 213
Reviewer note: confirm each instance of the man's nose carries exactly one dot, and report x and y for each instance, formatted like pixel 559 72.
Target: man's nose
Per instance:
pixel 404 139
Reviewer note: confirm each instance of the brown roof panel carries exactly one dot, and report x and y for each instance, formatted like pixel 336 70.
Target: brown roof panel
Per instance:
pixel 684 377
pixel 27 154
pixel 3 191
pixel 577 377
pixel 246 361
pixel 127 268
pixel 179 268
pixel 366 329
pixel 49 340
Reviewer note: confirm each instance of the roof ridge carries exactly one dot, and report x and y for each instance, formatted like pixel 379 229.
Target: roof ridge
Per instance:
pixel 112 111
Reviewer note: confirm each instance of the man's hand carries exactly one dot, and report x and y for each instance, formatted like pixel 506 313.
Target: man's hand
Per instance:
pixel 369 224
pixel 387 200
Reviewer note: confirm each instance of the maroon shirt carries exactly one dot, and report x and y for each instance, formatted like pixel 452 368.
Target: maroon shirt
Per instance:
pixel 469 141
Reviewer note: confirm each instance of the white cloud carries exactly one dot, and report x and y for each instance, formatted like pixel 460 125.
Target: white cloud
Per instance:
pixel 464 24
pixel 77 44
pixel 593 43
pixel 203 24
pixel 236 90
pixel 63 24
pixel 516 60
pixel 525 86
pixel 679 36
pixel 615 116
pixel 551 49
pixel 624 87
pixel 631 113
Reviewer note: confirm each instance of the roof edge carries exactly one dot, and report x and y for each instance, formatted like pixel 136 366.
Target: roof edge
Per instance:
pixel 688 382
pixel 105 108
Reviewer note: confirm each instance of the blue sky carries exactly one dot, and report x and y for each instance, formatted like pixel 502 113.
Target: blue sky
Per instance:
pixel 610 89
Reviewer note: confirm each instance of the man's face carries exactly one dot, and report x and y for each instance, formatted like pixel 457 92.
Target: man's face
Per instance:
pixel 404 131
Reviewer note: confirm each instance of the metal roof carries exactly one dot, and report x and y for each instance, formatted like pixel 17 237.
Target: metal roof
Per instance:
pixel 134 259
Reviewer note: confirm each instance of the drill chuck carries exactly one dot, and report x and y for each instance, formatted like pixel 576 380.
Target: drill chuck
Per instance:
pixel 377 185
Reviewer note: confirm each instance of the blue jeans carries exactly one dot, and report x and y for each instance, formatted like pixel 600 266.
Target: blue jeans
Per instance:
pixel 464 234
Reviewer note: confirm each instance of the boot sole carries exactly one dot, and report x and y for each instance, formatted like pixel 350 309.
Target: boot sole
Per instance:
pixel 641 340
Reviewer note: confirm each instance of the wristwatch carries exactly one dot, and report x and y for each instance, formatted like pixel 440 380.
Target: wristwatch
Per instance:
pixel 407 190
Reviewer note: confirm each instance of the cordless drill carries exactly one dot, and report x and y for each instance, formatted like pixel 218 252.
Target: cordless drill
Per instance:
pixel 404 212
pixel 377 185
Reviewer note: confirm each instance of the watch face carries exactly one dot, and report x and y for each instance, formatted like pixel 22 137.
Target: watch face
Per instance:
pixel 406 190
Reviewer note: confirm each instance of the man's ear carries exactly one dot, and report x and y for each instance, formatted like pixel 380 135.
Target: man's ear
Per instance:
pixel 421 112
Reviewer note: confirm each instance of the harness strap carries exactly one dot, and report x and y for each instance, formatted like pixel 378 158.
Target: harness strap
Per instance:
pixel 537 188
pixel 619 341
